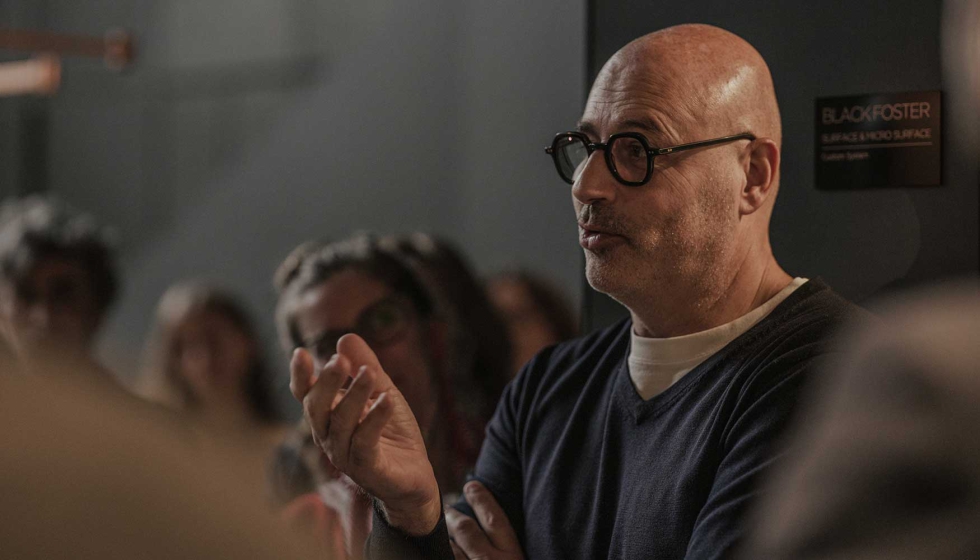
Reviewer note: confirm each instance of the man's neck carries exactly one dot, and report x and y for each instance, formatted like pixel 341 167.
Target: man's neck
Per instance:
pixel 667 315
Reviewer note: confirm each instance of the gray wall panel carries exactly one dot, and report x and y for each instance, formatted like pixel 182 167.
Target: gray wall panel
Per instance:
pixel 863 243
pixel 249 126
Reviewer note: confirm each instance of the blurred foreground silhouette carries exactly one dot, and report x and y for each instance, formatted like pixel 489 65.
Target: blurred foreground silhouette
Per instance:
pixel 87 473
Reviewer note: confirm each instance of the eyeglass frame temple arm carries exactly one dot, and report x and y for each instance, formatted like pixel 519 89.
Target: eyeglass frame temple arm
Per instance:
pixel 701 144
pixel 664 151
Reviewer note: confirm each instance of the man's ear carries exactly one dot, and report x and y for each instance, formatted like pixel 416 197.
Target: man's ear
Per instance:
pixel 761 170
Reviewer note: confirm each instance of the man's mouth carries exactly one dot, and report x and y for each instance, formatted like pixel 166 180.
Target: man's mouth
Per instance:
pixel 593 239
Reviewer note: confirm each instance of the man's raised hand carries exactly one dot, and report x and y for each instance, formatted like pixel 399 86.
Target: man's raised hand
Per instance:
pixel 369 432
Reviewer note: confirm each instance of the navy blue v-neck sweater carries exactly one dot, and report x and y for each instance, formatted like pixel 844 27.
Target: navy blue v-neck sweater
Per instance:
pixel 585 468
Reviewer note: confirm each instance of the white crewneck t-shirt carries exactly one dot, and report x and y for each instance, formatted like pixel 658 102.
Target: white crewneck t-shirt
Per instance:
pixel 657 363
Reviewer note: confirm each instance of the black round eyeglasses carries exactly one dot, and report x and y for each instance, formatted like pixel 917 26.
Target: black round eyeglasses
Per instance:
pixel 628 155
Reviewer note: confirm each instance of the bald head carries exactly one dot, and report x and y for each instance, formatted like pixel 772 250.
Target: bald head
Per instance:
pixel 700 222
pixel 716 80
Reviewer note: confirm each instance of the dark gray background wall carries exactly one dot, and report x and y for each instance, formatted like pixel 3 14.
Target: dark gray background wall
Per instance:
pixel 863 243
pixel 248 126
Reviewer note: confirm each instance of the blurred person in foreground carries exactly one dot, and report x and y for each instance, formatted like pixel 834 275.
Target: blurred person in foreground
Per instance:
pixel 885 464
pixel 57 281
pixel 646 439
pixel 205 359
pixel 537 314
pixel 86 476
pixel 363 286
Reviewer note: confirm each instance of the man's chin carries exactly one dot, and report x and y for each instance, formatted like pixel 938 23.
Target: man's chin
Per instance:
pixel 605 277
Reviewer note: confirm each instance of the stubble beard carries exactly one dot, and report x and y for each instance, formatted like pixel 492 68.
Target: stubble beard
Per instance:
pixel 618 271
pixel 631 271
pixel 681 256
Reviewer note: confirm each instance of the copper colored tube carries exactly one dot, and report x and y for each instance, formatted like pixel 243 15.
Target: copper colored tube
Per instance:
pixel 116 47
pixel 40 75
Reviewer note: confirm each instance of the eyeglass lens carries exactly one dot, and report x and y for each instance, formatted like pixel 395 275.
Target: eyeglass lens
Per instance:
pixel 627 154
pixel 629 157
pixel 378 325
pixel 571 156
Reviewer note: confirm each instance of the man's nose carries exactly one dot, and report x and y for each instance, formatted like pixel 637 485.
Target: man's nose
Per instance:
pixel 595 183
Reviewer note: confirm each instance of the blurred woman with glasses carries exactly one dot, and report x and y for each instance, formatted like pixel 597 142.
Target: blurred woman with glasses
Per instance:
pixel 365 286
pixel 355 286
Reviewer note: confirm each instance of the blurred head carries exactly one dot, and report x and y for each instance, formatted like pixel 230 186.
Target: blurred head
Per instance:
pixel 356 286
pixel 206 352
pixel 703 211
pixel 536 312
pixel 58 278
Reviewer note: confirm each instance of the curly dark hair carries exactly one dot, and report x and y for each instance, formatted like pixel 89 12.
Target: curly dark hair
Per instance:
pixel 37 228
pixel 312 263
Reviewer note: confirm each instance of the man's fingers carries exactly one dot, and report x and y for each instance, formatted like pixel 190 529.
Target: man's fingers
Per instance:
pixel 368 433
pixel 464 530
pixel 319 401
pixel 360 354
pixel 458 553
pixel 347 415
pixel 491 517
pixel 300 373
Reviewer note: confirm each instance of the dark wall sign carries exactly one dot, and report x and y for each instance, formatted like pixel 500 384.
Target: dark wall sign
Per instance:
pixel 881 140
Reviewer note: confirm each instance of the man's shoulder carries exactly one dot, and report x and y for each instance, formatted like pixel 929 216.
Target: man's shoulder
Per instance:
pixel 596 352
pixel 817 296
pixel 607 342
pixel 814 311
pixel 795 338
pixel 598 341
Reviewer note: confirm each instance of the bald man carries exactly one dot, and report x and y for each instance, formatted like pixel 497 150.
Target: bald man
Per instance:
pixel 646 439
